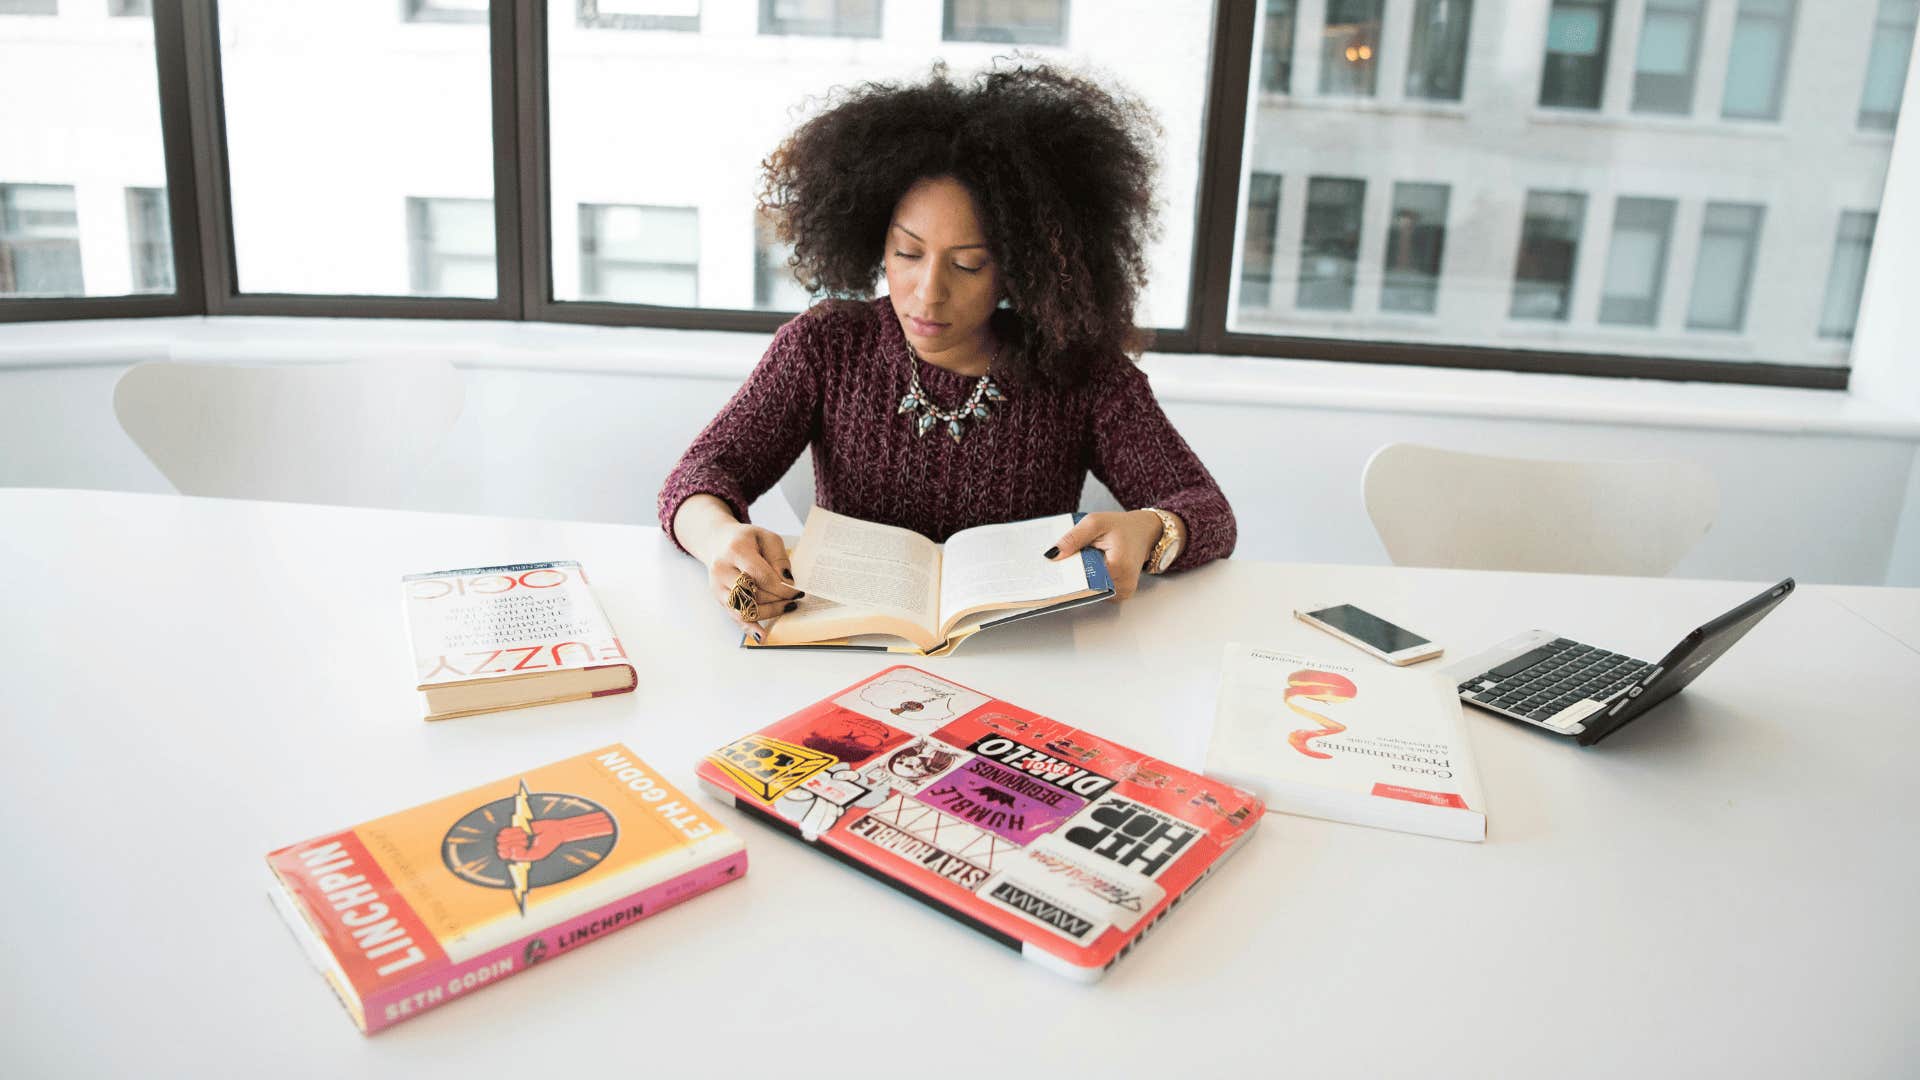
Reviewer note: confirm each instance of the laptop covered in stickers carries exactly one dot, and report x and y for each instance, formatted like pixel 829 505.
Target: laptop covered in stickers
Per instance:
pixel 1049 840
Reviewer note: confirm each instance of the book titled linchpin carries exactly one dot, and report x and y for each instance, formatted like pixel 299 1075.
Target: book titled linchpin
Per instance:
pixel 507 637
pixel 409 911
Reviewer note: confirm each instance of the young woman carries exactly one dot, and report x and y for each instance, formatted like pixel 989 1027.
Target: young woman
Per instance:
pixel 1009 215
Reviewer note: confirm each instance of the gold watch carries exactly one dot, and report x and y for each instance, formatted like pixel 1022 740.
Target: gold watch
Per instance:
pixel 1167 549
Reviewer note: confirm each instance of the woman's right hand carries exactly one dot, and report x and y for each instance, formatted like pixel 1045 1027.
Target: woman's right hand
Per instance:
pixel 761 555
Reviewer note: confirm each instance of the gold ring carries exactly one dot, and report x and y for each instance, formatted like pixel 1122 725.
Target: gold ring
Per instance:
pixel 740 598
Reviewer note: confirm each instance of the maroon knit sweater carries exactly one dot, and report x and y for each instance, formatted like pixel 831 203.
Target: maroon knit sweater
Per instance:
pixel 833 378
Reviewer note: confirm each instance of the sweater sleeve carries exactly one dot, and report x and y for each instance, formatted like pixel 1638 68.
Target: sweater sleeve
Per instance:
pixel 1139 456
pixel 759 432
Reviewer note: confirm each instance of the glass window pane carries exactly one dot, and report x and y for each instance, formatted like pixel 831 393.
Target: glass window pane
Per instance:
pixel 79 126
pixel 640 254
pixel 768 67
pixel 1663 68
pixel 1276 47
pixel 1330 243
pixel 1348 46
pixel 1575 68
pixel 1549 251
pixel 374 182
pixel 150 240
pixel 1887 57
pixel 1437 55
pixel 1757 60
pixel 1729 235
pixel 1017 22
pixel 1847 277
pixel 1637 262
pixel 1416 234
pixel 675 15
pixel 1257 244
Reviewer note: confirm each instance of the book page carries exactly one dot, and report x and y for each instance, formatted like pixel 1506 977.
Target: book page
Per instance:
pixel 861 564
pixel 1003 564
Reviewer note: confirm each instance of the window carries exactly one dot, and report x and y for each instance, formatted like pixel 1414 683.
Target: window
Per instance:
pixel 1847 278
pixel 1276 48
pixel 39 241
pixel 1017 22
pixel 1416 233
pixel 1575 71
pixel 450 242
pixel 682 15
pixel 141 8
pixel 1669 48
pixel 447 11
pixel 1348 46
pixel 1437 56
pixel 29 7
pixel 1549 248
pixel 821 18
pixel 1887 64
pixel 1757 60
pixel 1729 239
pixel 640 254
pixel 1256 252
pixel 1637 261
pixel 1330 244
pixel 774 286
pixel 150 240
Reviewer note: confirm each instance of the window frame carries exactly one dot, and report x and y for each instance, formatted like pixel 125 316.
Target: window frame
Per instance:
pixel 199 208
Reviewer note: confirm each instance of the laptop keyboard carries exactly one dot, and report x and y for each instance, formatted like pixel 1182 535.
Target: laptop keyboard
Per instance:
pixel 1562 673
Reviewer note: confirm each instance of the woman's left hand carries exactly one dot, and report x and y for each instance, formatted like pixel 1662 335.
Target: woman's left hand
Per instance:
pixel 1127 538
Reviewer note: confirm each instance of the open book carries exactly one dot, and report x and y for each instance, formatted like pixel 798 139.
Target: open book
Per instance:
pixel 878 587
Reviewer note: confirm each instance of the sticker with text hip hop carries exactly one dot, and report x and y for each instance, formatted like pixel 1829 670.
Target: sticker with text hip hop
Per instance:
pixel 913 766
pixel 920 834
pixel 1047 906
pixel 1003 799
pixel 767 767
pixel 817 802
pixel 1117 895
pixel 1064 774
pixel 1132 836
pixel 913 700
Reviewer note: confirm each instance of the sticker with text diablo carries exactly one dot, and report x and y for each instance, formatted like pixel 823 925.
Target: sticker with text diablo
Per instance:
pixel 1058 772
pixel 1132 836
pixel 766 766
pixel 1003 799
pixel 913 700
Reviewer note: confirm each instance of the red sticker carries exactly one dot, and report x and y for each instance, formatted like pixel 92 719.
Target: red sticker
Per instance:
pixel 1432 798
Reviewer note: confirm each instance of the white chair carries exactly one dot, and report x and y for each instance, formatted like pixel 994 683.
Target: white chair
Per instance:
pixel 351 434
pixel 1436 507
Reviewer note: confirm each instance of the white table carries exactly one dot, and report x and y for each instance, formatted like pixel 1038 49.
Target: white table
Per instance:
pixel 1726 887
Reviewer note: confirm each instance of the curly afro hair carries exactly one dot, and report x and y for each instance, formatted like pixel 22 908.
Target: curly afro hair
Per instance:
pixel 1060 168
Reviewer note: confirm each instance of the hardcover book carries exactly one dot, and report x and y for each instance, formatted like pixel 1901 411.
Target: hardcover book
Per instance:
pixel 1376 746
pixel 882 588
pixel 508 637
pixel 1059 844
pixel 409 911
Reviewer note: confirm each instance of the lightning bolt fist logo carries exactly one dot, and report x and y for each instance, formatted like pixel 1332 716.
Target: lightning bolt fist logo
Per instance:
pixel 528 841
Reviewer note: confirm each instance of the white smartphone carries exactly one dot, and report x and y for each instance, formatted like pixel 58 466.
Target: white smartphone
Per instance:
pixel 1395 644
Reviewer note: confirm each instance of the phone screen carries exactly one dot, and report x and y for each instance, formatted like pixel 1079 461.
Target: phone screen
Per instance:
pixel 1369 628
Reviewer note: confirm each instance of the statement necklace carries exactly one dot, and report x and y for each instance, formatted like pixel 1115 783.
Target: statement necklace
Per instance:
pixel 927 411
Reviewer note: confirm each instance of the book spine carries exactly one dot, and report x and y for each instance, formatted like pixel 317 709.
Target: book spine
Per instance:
pixel 436 988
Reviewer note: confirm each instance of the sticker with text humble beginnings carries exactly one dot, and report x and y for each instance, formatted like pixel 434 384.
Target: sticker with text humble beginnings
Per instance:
pixel 912 700
pixel 527 841
pixel 1002 799
pixel 766 767
pixel 1130 835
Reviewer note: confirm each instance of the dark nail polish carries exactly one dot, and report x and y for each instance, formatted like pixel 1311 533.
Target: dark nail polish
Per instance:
pixel 788 574
pixel 1051 552
pixel 790 607
pixel 799 596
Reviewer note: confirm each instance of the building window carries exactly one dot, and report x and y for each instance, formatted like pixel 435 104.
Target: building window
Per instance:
pixel 39 241
pixel 29 7
pixel 640 254
pixel 821 18
pixel 459 11
pixel 1887 64
pixel 681 15
pixel 1416 234
pixel 1757 60
pixel 1575 71
pixel 1256 248
pixel 1437 55
pixel 1014 22
pixel 1348 48
pixel 450 244
pixel 150 240
pixel 1330 243
pixel 1637 262
pixel 774 286
pixel 1549 247
pixel 1729 239
pixel 1669 49
pixel 1847 278
pixel 1276 48
pixel 140 8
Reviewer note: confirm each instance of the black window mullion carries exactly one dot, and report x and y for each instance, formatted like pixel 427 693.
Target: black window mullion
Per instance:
pixel 504 17
pixel 532 163
pixel 1219 204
